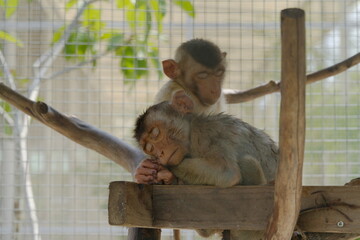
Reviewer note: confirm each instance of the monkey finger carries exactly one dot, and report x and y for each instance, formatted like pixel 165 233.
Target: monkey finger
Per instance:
pixel 145 171
pixel 145 179
pixel 166 176
pixel 149 163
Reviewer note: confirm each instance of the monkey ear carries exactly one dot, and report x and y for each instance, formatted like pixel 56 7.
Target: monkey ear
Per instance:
pixel 171 68
pixel 182 102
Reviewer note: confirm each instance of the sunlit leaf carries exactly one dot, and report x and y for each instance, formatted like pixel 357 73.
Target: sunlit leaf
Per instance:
pixel 124 3
pixel 141 68
pixel 186 6
pixel 127 62
pixel 8 37
pixel 158 7
pixel 58 34
pixel 9 6
pixel 70 4
pixel 70 48
pixel 132 66
pixel 131 17
pixel 92 19
pixel 6 106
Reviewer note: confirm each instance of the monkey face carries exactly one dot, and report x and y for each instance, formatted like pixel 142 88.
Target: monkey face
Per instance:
pixel 205 82
pixel 208 86
pixel 159 143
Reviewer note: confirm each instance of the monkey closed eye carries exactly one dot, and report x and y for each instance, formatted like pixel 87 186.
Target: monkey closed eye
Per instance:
pixel 202 75
pixel 155 132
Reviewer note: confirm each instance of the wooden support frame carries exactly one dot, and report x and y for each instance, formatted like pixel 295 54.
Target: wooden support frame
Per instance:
pixel 323 208
pixel 288 181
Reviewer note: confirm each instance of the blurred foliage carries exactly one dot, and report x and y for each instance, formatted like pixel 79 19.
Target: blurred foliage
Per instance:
pixel 136 48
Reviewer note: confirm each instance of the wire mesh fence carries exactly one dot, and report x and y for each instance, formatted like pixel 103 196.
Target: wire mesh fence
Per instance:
pixel 100 61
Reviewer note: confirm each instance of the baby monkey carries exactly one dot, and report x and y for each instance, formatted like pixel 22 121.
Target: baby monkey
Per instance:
pixel 218 150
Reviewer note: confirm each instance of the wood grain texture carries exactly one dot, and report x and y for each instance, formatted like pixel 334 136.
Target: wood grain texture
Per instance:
pixel 288 180
pixel 239 207
pixel 130 204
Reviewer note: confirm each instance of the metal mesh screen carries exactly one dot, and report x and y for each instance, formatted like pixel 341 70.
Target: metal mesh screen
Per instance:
pixel 52 188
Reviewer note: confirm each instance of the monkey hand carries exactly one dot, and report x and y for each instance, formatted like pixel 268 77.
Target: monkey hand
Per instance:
pixel 165 176
pixel 146 172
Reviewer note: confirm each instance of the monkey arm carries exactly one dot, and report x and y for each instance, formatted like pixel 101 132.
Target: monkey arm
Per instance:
pixel 201 171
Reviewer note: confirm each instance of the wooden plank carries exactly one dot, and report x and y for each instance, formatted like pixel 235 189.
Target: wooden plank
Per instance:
pixel 130 204
pixel 288 182
pixel 219 210
pixel 240 207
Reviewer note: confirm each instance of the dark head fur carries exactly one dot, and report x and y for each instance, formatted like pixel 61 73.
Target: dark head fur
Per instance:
pixel 203 51
pixel 159 112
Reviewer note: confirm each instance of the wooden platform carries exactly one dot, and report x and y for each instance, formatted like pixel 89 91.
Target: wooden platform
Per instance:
pixel 323 209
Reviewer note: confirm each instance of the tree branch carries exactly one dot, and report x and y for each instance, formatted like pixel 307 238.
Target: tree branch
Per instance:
pixel 78 131
pixel 78 65
pixel 235 96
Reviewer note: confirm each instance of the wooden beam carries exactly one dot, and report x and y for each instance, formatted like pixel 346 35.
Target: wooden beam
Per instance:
pixel 323 209
pixel 288 180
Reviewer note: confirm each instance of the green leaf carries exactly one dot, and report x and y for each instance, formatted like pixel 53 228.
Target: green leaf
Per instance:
pixel 58 34
pixel 10 6
pixel 124 3
pixel 132 66
pixel 131 16
pixel 141 67
pixel 8 37
pixel 92 19
pixel 79 44
pixel 70 4
pixel 115 41
pixel 186 6
pixel 70 49
pixel 6 106
pixel 158 8
pixel 127 62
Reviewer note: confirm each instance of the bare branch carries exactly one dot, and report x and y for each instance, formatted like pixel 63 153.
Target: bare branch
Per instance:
pixel 76 66
pixel 5 67
pixel 235 96
pixel 78 131
pixel 43 63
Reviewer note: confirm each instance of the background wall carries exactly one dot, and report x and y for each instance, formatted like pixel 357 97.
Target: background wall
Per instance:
pixel 70 183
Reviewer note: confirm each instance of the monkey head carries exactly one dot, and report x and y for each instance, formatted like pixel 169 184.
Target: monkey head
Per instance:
pixel 199 67
pixel 162 132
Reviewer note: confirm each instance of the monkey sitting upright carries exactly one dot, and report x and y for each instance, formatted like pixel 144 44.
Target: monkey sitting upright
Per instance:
pixel 197 71
pixel 218 150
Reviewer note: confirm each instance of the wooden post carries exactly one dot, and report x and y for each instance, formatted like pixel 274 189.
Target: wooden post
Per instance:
pixel 288 183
